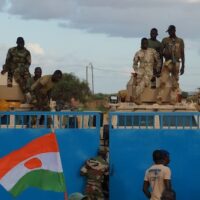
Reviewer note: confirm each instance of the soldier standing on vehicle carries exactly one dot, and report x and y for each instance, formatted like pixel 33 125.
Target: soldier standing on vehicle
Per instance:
pixel 155 44
pixel 94 170
pixel 31 81
pixel 146 63
pixel 41 89
pixel 18 61
pixel 157 177
pixel 173 52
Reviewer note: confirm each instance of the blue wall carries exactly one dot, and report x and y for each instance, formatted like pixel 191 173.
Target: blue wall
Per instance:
pixel 76 145
pixel 131 154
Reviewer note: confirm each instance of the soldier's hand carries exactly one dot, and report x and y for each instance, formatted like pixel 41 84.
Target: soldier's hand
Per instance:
pixel 28 97
pixel 182 71
pixel 134 74
pixel 3 71
pixel 158 74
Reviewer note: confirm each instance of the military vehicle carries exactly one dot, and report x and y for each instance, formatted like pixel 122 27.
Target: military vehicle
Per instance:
pixel 150 93
pixel 122 103
pixel 10 97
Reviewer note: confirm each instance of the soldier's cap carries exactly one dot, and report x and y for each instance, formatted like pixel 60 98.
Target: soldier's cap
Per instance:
pixel 20 40
pixel 171 27
pixel 76 196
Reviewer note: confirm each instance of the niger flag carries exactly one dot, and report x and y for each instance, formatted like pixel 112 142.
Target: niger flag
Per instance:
pixel 37 164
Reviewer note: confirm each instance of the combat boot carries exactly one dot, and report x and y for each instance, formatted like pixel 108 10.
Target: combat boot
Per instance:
pixel 9 83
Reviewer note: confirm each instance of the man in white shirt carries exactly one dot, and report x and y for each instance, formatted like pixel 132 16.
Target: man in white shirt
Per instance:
pixel 157 177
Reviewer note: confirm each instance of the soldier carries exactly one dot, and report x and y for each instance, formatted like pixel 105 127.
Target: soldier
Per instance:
pixel 173 52
pixel 31 81
pixel 41 89
pixel 157 177
pixel 155 44
pixel 17 64
pixel 95 169
pixel 146 63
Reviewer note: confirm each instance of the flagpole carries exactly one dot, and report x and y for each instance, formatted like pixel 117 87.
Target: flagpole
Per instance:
pixel 65 196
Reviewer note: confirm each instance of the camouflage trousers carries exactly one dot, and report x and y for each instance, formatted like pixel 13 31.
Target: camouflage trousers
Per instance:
pixel 170 72
pixel 40 101
pixel 21 75
pixel 142 80
pixel 94 191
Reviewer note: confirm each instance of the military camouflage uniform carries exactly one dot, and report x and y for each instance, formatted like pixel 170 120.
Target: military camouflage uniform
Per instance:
pixel 95 169
pixel 155 44
pixel 30 82
pixel 149 62
pixel 17 65
pixel 172 48
pixel 40 97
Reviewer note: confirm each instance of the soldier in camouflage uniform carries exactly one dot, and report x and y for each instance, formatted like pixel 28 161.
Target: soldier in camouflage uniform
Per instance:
pixel 17 64
pixel 155 44
pixel 41 89
pixel 173 52
pixel 95 169
pixel 31 81
pixel 146 63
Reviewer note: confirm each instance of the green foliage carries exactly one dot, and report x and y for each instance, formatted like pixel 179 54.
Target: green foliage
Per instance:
pixel 184 94
pixel 100 96
pixel 71 86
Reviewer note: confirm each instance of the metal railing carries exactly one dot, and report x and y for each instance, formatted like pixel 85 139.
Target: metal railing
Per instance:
pixel 61 120
pixel 154 120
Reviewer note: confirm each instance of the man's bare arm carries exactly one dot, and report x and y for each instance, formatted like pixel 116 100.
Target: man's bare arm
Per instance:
pixel 146 189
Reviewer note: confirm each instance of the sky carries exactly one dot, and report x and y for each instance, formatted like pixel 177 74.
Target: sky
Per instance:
pixel 73 35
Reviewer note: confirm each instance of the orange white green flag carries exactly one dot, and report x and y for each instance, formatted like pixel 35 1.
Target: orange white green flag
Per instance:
pixel 37 164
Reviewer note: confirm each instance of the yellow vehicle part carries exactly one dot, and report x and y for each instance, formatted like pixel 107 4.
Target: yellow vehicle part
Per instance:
pixel 6 106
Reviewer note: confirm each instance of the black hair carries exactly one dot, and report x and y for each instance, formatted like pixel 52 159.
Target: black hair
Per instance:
pixel 20 40
pixel 144 39
pixel 38 68
pixel 164 153
pixel 58 72
pixel 154 29
pixel 157 156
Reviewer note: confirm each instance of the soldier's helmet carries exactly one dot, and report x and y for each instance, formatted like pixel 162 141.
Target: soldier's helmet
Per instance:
pixel 20 40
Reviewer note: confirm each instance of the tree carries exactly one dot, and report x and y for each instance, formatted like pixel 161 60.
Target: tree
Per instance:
pixel 71 86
